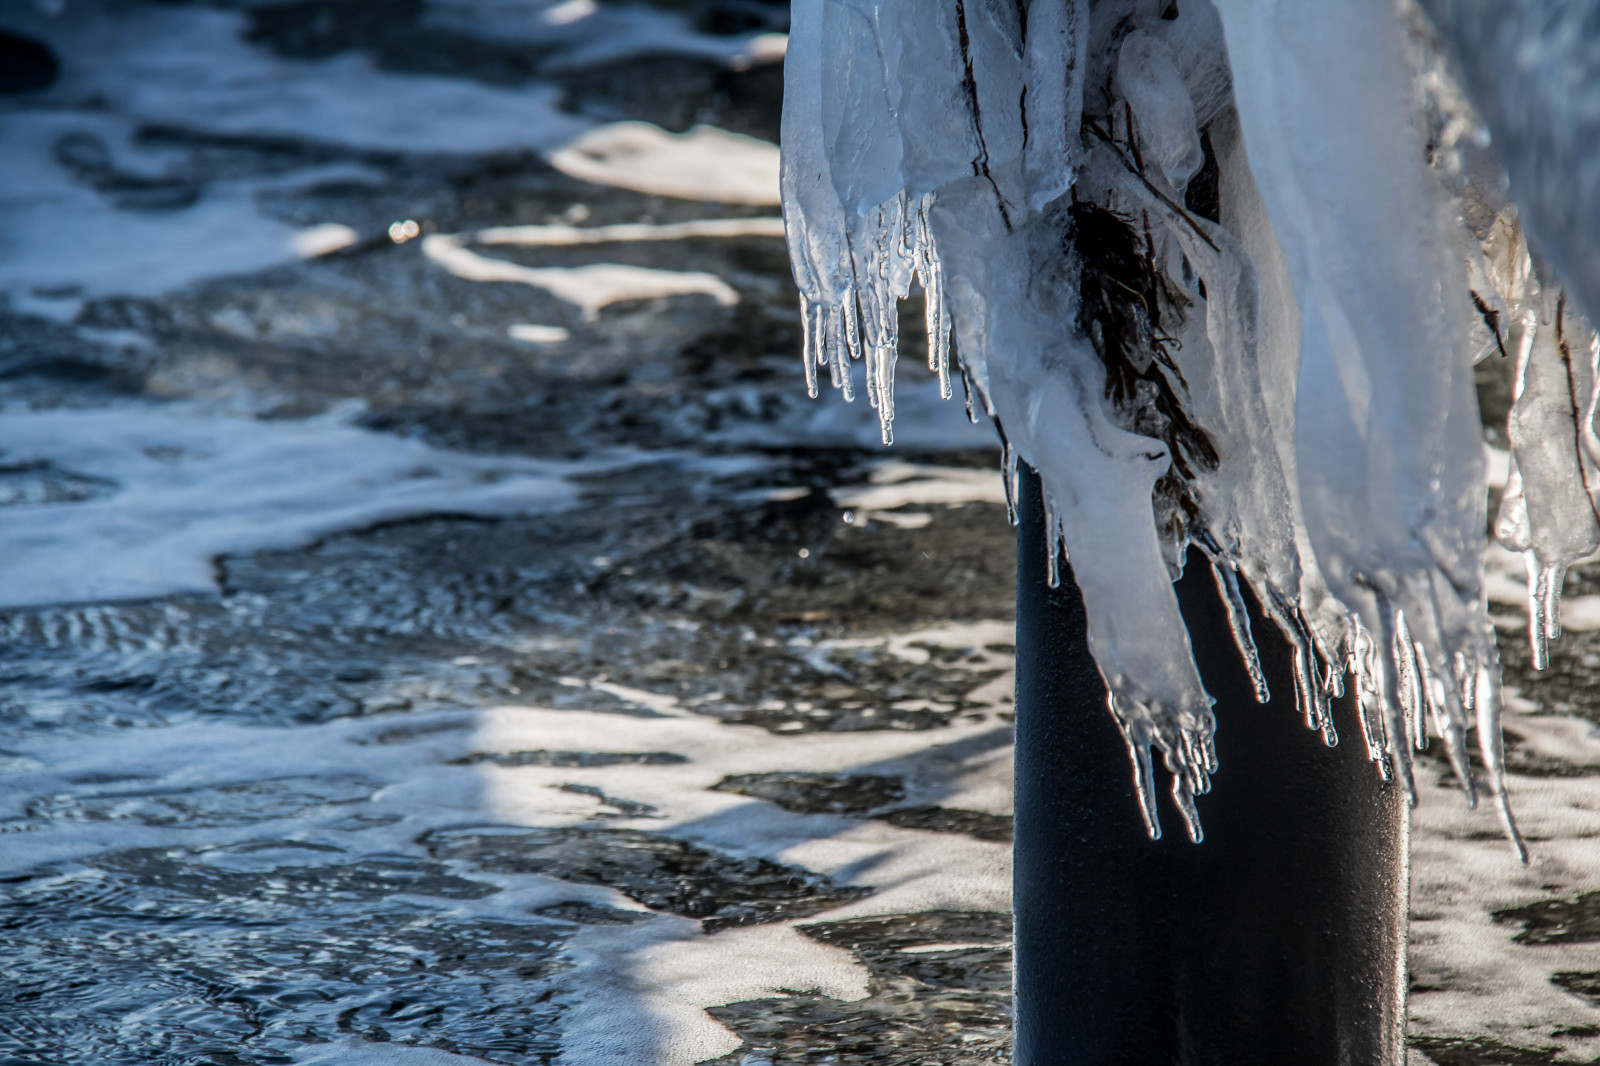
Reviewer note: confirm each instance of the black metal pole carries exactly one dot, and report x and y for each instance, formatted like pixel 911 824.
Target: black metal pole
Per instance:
pixel 1280 939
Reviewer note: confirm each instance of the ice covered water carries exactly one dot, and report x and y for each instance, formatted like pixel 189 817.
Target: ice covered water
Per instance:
pixel 1219 273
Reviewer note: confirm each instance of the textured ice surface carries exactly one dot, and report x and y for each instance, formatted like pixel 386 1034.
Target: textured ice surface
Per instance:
pixel 1232 307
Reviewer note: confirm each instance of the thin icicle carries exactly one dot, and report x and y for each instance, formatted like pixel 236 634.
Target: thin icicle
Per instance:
pixel 1491 750
pixel 1391 705
pixel 1239 623
pixel 1364 669
pixel 1010 472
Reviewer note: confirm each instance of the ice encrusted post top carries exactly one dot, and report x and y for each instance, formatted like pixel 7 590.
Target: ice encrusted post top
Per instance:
pixel 1208 281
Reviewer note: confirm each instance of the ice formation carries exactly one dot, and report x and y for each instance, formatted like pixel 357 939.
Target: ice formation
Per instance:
pixel 1219 273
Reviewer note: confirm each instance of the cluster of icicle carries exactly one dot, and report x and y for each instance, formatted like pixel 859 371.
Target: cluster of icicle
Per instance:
pixel 1276 369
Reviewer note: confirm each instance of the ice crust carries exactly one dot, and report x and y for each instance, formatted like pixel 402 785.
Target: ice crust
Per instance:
pixel 1274 367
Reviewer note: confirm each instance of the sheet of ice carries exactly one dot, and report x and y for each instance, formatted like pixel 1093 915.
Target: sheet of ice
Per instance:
pixel 1551 480
pixel 907 142
pixel 165 492
pixel 704 163
pixel 590 287
pixel 1387 439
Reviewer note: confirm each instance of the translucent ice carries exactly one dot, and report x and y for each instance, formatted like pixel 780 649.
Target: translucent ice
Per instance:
pixel 1200 273
pixel 1532 68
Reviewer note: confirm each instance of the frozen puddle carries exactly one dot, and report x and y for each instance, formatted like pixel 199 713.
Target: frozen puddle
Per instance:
pixel 152 497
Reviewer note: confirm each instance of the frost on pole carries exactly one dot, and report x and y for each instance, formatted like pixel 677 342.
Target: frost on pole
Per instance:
pixel 1219 273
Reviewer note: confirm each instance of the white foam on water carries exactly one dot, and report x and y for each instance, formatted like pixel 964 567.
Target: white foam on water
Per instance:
pixel 637 992
pixel 590 287
pixel 534 333
pixel 898 484
pixel 589 33
pixel 193 68
pixel 640 1003
pixel 124 68
pixel 1476 980
pixel 324 239
pixel 170 490
pixel 561 236
pixel 704 163
pixel 62 242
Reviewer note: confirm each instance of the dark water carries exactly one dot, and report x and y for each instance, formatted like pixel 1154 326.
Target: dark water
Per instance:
pixel 278 822
pixel 236 826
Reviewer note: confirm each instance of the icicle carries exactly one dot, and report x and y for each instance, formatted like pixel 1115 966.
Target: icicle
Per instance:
pixel 1369 698
pixel 1055 56
pixel 1306 686
pixel 1454 730
pixel 1491 751
pixel 1548 514
pixel 1009 470
pixel 1413 700
pixel 1143 771
pixel 930 274
pixel 1239 622
pixel 1391 704
pixel 810 343
pixel 1283 384
pixel 1052 542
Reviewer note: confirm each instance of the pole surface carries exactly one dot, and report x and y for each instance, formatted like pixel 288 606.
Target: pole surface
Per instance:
pixel 1280 938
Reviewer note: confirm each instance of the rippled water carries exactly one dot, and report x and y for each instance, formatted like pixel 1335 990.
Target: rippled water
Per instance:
pixel 451 785
pixel 683 765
